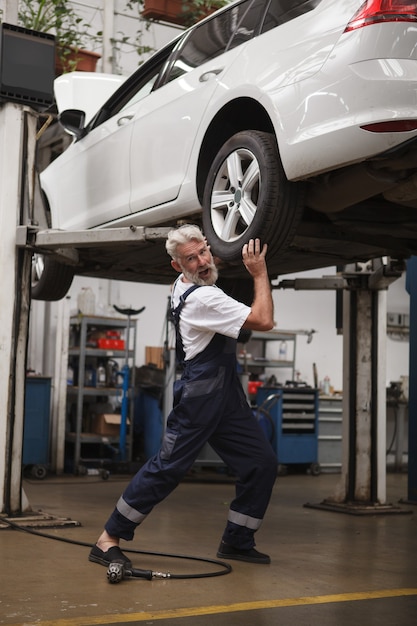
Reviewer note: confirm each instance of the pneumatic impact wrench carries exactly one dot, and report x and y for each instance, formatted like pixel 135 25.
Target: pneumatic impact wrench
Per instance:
pixel 118 572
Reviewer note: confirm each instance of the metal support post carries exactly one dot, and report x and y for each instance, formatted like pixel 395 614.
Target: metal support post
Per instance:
pixel 363 473
pixel 59 395
pixel 399 443
pixel 411 284
pixel 17 137
pixel 362 488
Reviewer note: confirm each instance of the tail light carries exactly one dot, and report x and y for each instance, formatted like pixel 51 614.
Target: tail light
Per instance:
pixel 374 11
pixel 391 126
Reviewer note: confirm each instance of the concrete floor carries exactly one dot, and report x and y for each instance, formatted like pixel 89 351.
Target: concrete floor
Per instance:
pixel 328 569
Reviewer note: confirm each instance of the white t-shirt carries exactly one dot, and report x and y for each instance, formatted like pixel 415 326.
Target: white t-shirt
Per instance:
pixel 207 311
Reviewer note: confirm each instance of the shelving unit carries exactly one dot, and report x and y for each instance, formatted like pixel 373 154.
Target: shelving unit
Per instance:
pixel 253 358
pixel 90 346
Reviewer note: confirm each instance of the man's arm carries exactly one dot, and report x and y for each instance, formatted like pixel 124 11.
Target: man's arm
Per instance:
pixel 261 316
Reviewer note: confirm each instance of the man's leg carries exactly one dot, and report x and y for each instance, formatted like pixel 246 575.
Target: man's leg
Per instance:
pixel 241 443
pixel 185 435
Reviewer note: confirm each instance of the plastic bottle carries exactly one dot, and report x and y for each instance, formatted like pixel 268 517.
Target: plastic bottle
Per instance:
pixel 70 375
pixel 282 353
pixel 326 386
pixel 90 377
pixel 111 373
pixel 86 301
pixel 101 375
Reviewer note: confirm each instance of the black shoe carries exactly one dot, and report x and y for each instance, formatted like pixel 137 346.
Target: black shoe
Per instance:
pixel 250 556
pixel 113 555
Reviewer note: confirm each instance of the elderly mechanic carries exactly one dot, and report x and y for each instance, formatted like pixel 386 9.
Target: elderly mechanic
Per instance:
pixel 209 403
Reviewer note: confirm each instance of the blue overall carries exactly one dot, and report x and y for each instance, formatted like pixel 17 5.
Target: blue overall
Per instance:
pixel 209 406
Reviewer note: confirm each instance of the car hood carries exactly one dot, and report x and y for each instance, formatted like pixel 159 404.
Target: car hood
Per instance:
pixel 86 91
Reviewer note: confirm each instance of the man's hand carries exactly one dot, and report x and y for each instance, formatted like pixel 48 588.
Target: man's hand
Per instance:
pixel 261 316
pixel 254 258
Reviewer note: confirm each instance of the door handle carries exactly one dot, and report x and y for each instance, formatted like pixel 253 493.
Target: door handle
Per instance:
pixel 124 120
pixel 210 74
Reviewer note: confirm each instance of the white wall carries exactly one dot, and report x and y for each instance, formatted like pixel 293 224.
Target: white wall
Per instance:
pixel 317 310
pixel 150 324
pixel 306 310
pixel 294 310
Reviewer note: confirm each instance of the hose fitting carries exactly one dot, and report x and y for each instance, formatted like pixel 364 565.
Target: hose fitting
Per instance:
pixel 117 572
pixel 161 575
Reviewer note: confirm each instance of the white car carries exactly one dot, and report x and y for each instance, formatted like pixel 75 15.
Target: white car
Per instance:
pixel 290 120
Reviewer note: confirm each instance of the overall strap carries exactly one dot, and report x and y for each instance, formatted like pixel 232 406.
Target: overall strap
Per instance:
pixel 175 315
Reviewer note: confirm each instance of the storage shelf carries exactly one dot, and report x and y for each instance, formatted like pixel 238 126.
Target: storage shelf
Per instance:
pixel 254 358
pixel 90 438
pixel 94 391
pixel 85 358
pixel 97 320
pixel 100 353
pixel 265 362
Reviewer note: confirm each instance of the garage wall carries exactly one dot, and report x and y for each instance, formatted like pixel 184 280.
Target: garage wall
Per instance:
pixel 316 309
pixel 45 317
pixel 294 310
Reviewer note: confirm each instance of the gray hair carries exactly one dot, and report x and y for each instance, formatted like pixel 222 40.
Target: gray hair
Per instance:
pixel 181 235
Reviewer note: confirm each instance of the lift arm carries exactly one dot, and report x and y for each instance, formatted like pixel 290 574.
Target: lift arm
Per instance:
pixel 50 239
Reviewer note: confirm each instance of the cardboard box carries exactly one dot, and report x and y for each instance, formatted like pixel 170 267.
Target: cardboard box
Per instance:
pixel 154 356
pixel 107 424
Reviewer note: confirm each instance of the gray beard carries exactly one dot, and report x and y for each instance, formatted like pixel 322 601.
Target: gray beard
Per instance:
pixel 197 280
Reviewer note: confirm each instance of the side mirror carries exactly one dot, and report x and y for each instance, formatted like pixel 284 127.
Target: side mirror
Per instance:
pixel 73 121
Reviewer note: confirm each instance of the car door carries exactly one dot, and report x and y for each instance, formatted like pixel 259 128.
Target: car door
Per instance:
pixel 166 122
pixel 89 184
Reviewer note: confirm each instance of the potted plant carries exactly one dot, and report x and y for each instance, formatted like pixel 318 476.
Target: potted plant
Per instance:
pixel 182 12
pixel 72 32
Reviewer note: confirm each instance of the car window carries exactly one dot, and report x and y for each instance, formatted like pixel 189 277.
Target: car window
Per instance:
pixel 207 40
pixel 144 88
pixel 249 24
pixel 281 11
pixel 139 85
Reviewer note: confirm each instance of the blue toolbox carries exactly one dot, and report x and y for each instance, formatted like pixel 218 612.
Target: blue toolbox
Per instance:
pixel 292 415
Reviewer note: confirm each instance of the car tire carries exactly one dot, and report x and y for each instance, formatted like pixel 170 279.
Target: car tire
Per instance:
pixel 50 280
pixel 247 195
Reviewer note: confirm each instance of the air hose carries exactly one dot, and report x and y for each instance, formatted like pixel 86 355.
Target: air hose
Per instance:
pixel 117 571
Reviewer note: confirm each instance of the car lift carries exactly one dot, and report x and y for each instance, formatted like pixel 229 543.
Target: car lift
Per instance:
pixel 362 487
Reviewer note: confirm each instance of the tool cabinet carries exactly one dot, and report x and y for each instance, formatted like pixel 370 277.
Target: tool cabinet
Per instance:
pixel 293 413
